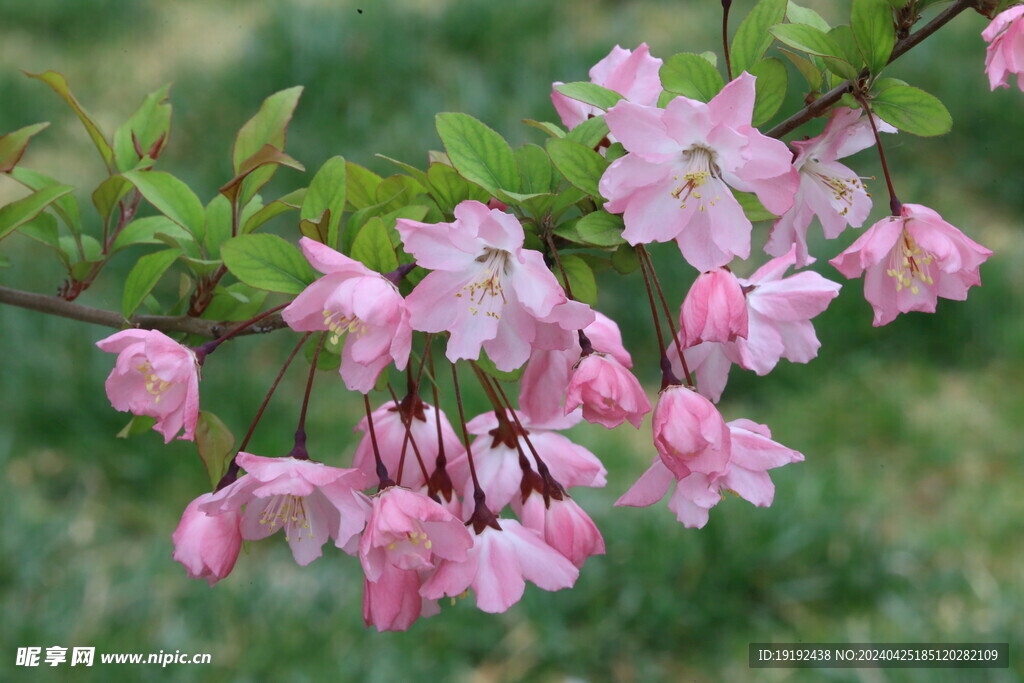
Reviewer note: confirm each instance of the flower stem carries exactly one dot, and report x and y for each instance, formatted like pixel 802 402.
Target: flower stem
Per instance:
pixel 667 376
pixel 482 516
pixel 406 418
pixel 439 481
pixel 895 207
pixel 299 451
pixel 645 255
pixel 209 347
pixel 726 5
pixel 383 480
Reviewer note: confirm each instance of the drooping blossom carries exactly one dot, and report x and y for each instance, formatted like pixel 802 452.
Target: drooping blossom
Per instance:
pixel 563 525
pixel 689 432
pixel 608 392
pixel 499 565
pixel 714 309
pixel 486 290
pixel 390 433
pixel 674 182
pixel 1005 53
pixel 751 454
pixel 155 376
pixel 309 500
pixel 393 602
pixel 828 189
pixel 496 457
pixel 352 300
pixel 207 545
pixel 545 380
pixel 408 530
pixel 779 312
pixel 910 260
pixel 631 73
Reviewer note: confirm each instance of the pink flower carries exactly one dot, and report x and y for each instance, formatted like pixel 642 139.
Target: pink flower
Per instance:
pixel 309 500
pixel 390 432
pixel 155 376
pixel 393 602
pixel 1005 53
pixel 689 433
pixel 828 189
pixel 207 544
pixel 608 392
pixel 546 377
pixel 674 183
pixel 751 454
pixel 486 289
pixel 409 531
pixel 632 74
pixel 498 567
pixel 714 309
pixel 351 298
pixel 779 312
pixel 911 259
pixel 564 526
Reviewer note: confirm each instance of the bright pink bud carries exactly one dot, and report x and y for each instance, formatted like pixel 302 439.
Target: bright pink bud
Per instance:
pixel 689 433
pixel 1005 54
pixel 393 602
pixel 155 376
pixel 207 544
pixel 564 526
pixel 714 309
pixel 608 392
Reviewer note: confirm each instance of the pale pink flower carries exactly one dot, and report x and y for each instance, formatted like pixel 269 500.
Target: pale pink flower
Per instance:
pixel 155 376
pixel 309 500
pixel 910 260
pixel 350 299
pixel 674 182
pixel 393 602
pixel 689 433
pixel 390 433
pixel 408 530
pixel 634 74
pixel 751 453
pixel 608 392
pixel 1005 53
pixel 563 525
pixel 828 189
pixel 499 565
pixel 545 380
pixel 714 309
pixel 207 544
pixel 486 290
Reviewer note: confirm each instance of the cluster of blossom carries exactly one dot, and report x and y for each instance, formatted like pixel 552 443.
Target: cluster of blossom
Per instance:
pixel 492 513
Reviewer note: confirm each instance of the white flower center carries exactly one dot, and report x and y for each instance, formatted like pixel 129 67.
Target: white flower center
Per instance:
pixel 910 265
pixel 841 189
pixel 486 288
pixel 700 166
pixel 291 513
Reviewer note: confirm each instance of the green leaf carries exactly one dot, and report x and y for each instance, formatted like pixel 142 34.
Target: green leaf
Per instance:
pixel 143 277
pixel 590 93
pixel 807 68
pixel 912 110
pixel 417 174
pixel 770 88
pixel 843 35
pixel 581 279
pixel 692 76
pixel 815 42
pixel 66 206
pixel 601 229
pixel 108 194
pixel 361 185
pixel 149 127
pixel 373 248
pixel 753 207
pixel 580 165
pixel 43 229
pixel 290 202
pixel 19 212
pixel 552 129
pixel 625 260
pixel 801 15
pixel 60 86
pixel 448 188
pixel 589 133
pixel 13 145
pixel 397 191
pixel 267 262
pixel 478 153
pixel 139 424
pixel 327 193
pixel 246 184
pixel 145 231
pixel 215 443
pixel 172 198
pixel 536 175
pixel 873 28
pixel 268 127
pixel 238 301
pixel 217 227
pixel 752 38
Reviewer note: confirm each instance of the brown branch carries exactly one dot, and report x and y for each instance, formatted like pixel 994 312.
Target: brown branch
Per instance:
pixel 53 305
pixel 819 106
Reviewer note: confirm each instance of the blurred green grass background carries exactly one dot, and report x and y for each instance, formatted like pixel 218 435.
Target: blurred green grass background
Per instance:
pixel 902 525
